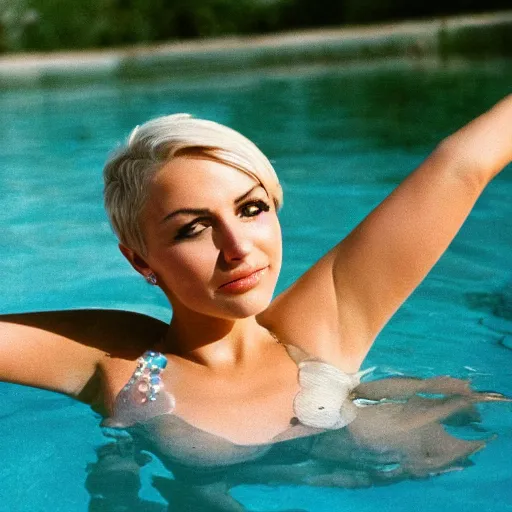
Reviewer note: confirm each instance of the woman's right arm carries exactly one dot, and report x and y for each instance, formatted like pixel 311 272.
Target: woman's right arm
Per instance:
pixel 47 350
pixel 62 350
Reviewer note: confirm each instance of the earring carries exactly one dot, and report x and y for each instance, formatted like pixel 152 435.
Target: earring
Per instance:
pixel 151 279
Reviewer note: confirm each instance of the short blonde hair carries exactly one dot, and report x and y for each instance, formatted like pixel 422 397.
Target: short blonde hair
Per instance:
pixel 129 171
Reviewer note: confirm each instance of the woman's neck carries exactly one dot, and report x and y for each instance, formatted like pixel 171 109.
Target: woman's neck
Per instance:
pixel 216 343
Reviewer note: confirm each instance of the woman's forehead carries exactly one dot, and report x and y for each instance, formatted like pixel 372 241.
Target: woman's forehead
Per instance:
pixel 187 182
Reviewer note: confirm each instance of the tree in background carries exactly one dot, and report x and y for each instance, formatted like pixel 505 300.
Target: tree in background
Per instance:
pixel 44 25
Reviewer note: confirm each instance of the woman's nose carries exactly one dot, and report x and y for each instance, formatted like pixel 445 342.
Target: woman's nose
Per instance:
pixel 234 242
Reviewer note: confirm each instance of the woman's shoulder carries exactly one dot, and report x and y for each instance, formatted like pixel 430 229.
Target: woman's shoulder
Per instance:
pixel 103 329
pixel 62 350
pixel 307 315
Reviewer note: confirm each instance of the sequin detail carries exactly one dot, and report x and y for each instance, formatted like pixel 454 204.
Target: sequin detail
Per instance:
pixel 147 375
pixel 144 396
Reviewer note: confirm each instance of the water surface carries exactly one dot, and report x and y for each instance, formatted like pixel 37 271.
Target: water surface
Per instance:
pixel 341 138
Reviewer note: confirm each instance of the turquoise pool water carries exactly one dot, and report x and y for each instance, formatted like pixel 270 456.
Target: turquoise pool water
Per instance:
pixel 341 139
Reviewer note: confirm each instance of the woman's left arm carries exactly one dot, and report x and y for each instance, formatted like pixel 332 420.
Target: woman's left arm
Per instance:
pixel 355 288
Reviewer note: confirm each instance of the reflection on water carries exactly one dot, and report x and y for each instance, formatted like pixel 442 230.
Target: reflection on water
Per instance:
pixel 498 302
pixel 400 432
pixel 341 139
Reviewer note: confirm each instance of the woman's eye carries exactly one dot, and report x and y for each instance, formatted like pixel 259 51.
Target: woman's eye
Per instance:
pixel 254 208
pixel 191 230
pixel 196 227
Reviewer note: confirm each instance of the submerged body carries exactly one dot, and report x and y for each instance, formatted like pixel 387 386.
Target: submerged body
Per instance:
pixel 389 415
pixel 384 431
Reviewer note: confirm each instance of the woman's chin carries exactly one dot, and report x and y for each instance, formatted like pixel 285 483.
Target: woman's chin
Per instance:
pixel 246 310
pixel 239 307
pixel 229 306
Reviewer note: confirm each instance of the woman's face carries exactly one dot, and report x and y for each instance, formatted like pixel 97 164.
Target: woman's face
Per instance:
pixel 213 238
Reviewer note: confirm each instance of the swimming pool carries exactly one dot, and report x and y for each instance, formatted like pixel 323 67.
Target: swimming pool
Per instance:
pixel 341 139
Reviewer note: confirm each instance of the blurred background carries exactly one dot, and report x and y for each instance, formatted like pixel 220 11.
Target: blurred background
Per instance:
pixel 45 25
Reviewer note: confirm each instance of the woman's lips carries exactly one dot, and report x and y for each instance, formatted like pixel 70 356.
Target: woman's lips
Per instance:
pixel 243 284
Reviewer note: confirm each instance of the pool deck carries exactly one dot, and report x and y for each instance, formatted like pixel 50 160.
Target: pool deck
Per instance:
pixel 482 34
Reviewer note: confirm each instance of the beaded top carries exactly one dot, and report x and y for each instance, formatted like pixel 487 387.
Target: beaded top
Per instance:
pixel 323 400
pixel 141 398
pixel 148 375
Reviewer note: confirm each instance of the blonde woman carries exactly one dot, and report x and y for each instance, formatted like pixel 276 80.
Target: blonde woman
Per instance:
pixel 236 373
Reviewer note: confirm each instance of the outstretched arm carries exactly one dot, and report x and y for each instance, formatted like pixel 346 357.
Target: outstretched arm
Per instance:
pixel 61 350
pixel 352 292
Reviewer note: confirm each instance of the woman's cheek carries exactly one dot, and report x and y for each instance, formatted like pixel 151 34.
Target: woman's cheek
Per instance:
pixel 269 223
pixel 192 264
pixel 271 230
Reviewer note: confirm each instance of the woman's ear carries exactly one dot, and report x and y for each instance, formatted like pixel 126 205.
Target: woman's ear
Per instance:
pixel 136 261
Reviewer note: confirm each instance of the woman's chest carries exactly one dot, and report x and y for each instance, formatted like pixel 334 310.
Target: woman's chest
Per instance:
pixel 247 406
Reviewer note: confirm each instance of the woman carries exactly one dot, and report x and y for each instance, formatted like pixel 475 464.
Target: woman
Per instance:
pixel 194 205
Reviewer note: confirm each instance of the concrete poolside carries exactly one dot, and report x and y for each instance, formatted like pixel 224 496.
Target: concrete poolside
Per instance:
pixel 476 35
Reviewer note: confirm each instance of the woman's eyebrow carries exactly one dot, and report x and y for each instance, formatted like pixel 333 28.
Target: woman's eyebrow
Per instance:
pixel 206 211
pixel 248 193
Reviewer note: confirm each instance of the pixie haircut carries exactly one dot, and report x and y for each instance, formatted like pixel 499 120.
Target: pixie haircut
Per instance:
pixel 129 171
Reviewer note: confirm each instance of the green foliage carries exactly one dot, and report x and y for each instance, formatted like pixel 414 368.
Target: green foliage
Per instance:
pixel 54 24
pixel 44 25
pixel 14 17
pixel 364 11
